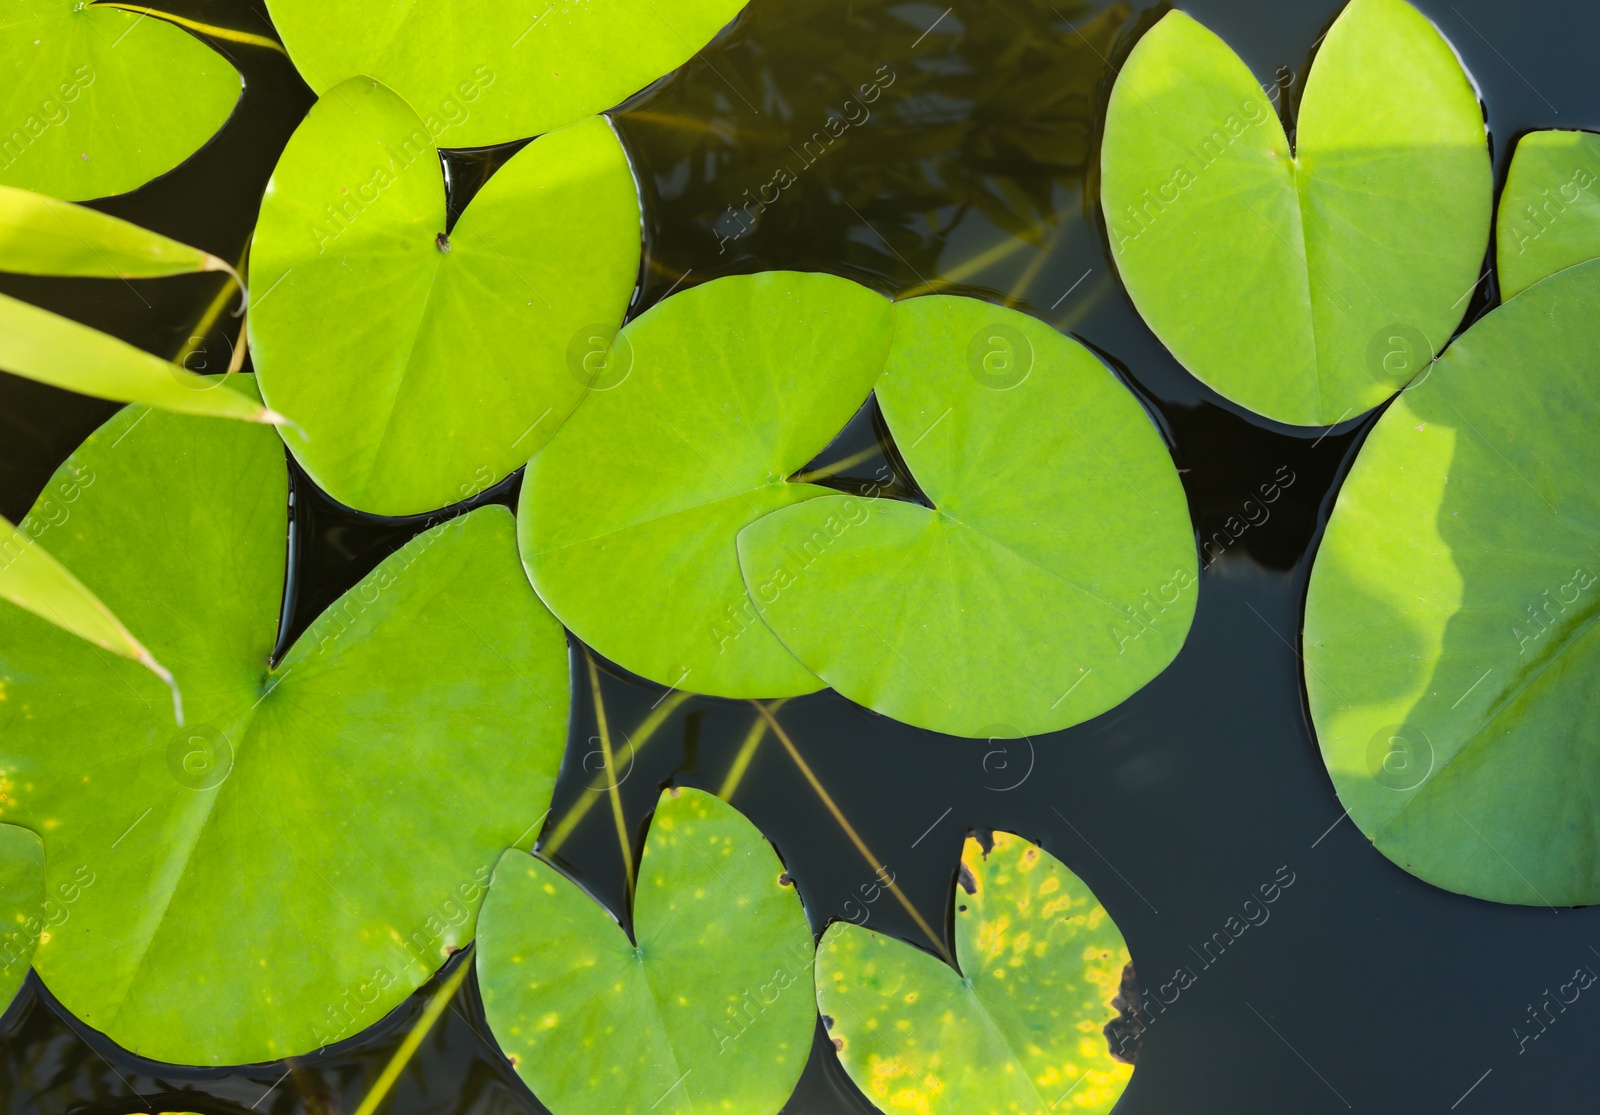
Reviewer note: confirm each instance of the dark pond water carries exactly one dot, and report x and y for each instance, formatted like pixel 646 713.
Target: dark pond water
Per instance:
pixel 973 160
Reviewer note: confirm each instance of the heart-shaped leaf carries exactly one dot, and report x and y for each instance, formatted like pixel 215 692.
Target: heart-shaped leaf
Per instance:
pixel 98 101
pixel 1371 228
pixel 369 324
pixel 22 898
pixel 1056 572
pixel 41 235
pixel 1019 1030
pixel 1550 210
pixel 707 1008
pixel 488 71
pixel 1450 636
pixel 307 852
pixel 707 403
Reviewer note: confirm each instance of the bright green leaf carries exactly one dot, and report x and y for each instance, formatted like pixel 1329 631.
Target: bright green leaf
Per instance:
pixel 1450 636
pixel 711 1010
pixel 52 349
pixel 1018 1030
pixel 42 236
pixel 709 401
pixel 30 578
pixel 1056 573
pixel 22 905
pixel 98 101
pixel 424 369
pixel 289 867
pixel 482 72
pixel 1550 211
pixel 1305 285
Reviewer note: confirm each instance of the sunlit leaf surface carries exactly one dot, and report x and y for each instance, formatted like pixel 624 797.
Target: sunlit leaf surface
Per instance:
pixel 282 871
pixel 1056 572
pixel 1019 1030
pixel 490 71
pixel 22 905
pixel 709 1008
pixel 98 101
pixel 1450 636
pixel 1550 210
pixel 707 403
pixel 1310 284
pixel 423 368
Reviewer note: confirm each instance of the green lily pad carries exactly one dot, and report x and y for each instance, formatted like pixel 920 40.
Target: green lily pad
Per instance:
pixel 1450 636
pixel 308 850
pixel 711 1009
pixel 487 72
pixel 1345 264
pixel 369 324
pixel 708 402
pixel 99 101
pixel 1550 210
pixel 22 899
pixel 1019 1030
pixel 41 235
pixel 1056 573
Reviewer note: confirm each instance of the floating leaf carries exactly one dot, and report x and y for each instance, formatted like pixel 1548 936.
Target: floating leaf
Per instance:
pixel 52 349
pixel 484 72
pixel 1343 264
pixel 308 851
pixel 99 101
pixel 1550 211
pixel 362 299
pixel 706 404
pixel 1450 642
pixel 711 1010
pixel 1056 573
pixel 22 898
pixel 1019 1030
pixel 30 578
pixel 40 235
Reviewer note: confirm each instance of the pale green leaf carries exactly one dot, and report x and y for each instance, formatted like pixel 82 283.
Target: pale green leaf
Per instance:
pixel 99 101
pixel 40 235
pixel 1056 573
pixel 454 351
pixel 1019 1030
pixel 288 868
pixel 708 1008
pixel 1450 635
pixel 711 400
pixel 1307 285
pixel 1549 213
pixel 481 72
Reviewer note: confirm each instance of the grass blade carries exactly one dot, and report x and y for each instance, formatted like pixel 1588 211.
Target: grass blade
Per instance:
pixel 40 235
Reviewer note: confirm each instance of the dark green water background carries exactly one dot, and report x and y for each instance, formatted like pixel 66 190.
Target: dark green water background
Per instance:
pixel 1366 990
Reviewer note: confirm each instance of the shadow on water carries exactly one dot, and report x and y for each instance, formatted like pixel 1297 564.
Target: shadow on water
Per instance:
pixel 961 155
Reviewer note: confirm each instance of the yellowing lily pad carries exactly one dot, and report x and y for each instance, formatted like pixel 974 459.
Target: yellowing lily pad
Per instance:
pixel 22 899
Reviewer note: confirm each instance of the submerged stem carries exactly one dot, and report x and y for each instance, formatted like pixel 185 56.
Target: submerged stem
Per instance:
pixel 408 1047
pixel 614 790
pixel 747 751
pixel 227 34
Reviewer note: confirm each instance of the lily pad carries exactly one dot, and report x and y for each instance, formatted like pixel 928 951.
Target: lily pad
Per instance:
pixel 22 899
pixel 310 848
pixel 369 322
pixel 99 100
pixel 1550 210
pixel 1450 636
pixel 707 1008
pixel 1345 262
pixel 712 398
pixel 1055 573
pixel 485 72
pixel 1019 1029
